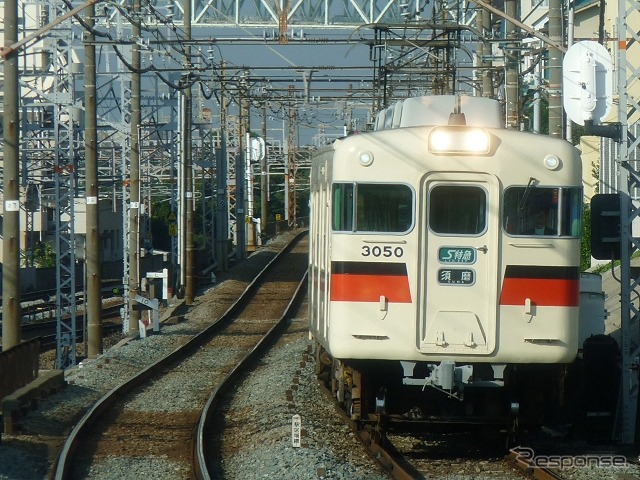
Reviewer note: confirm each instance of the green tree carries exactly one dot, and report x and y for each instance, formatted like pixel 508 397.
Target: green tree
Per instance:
pixel 160 212
pixel 528 113
pixel 577 131
pixel 44 255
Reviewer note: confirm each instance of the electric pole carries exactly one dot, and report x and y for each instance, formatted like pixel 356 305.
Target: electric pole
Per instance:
pixel 134 176
pixel 93 302
pixel 241 171
pixel 512 67
pixel 189 290
pixel 222 208
pixel 264 186
pixel 555 70
pixel 11 185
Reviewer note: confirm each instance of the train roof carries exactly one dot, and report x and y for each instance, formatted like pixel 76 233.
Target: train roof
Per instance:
pixel 436 110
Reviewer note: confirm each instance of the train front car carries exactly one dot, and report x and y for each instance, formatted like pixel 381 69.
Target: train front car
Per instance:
pixel 445 267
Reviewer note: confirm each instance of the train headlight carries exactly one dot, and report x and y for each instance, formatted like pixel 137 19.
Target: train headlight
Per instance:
pixel 552 162
pixel 459 140
pixel 366 158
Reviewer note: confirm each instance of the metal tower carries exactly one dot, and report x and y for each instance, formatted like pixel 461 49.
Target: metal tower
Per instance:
pixel 628 60
pixel 67 142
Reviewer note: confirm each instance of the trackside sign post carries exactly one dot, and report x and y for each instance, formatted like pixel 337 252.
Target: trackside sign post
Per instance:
pixel 296 431
pixel 148 304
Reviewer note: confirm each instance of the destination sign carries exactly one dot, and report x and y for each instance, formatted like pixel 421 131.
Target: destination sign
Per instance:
pixel 456 276
pixel 460 255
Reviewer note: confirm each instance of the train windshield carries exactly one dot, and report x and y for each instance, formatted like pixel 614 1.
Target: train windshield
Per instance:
pixel 458 210
pixel 372 207
pixel 549 211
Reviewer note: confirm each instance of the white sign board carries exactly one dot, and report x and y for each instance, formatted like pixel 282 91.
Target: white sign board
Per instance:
pixel 153 305
pixel 587 82
pixel 257 149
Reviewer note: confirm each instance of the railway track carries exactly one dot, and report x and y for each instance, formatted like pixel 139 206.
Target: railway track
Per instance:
pixel 115 426
pixel 425 455
pixel 409 456
pixel 256 416
pixel 206 442
pixel 39 320
pixel 463 454
pixel 449 455
pixel 46 330
pixel 41 304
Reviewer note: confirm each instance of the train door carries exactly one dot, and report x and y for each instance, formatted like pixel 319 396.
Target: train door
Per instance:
pixel 459 263
pixel 325 261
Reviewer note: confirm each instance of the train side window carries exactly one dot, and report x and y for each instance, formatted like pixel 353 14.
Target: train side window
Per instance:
pixel 457 210
pixel 549 211
pixel 342 220
pixel 571 214
pixel 384 208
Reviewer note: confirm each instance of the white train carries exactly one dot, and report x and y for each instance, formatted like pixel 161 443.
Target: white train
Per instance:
pixel 444 265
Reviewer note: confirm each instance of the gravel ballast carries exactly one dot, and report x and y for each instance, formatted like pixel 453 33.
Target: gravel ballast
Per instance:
pixel 257 443
pixel 264 453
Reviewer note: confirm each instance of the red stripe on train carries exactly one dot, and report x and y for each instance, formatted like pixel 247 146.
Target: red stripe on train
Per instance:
pixel 369 288
pixel 544 292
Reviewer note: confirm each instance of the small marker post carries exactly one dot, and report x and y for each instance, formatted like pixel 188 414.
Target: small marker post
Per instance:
pixel 296 428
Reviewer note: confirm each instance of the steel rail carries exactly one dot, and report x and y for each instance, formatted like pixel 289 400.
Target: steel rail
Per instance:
pixel 527 466
pixel 388 461
pixel 200 454
pixel 394 463
pixel 64 460
pixel 41 328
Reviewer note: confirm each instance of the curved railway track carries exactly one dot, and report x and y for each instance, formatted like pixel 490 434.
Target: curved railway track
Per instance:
pixel 205 440
pixel 115 427
pixel 414 456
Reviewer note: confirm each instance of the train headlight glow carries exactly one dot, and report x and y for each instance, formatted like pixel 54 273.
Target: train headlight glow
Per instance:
pixel 552 162
pixel 459 140
pixel 366 158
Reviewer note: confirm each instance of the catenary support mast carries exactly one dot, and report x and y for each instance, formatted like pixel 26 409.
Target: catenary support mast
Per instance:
pixel 11 186
pixel 93 303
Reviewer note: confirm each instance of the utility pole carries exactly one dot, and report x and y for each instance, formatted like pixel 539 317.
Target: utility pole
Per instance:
pixel 134 176
pixel 290 177
pixel 189 290
pixel 241 168
pixel 555 70
pixel 11 185
pixel 222 209
pixel 485 83
pixel 512 67
pixel 264 178
pixel 93 302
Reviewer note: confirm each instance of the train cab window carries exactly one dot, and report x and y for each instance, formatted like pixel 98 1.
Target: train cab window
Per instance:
pixel 383 208
pixel 372 207
pixel 457 210
pixel 546 211
pixel 343 207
